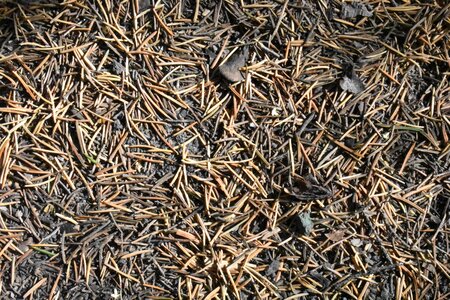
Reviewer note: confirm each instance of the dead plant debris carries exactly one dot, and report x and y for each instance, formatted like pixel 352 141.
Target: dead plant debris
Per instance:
pixel 315 165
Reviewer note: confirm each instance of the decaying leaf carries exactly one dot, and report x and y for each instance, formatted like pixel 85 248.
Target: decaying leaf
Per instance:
pixel 307 188
pixel 336 236
pixel 144 4
pixel 356 242
pixel 350 11
pixel 353 85
pixel 273 267
pixel 231 68
pixel 306 224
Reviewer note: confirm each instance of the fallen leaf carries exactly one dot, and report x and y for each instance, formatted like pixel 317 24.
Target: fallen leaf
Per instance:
pixel 144 4
pixel 306 224
pixel 336 236
pixel 306 188
pixel 353 85
pixel 273 267
pixel 350 11
pixel 231 68
pixel 356 242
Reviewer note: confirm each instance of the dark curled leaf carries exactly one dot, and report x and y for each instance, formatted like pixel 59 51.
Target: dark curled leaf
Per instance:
pixel 307 189
pixel 230 69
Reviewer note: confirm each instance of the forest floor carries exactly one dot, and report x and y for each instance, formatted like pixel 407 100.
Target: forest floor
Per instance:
pixel 224 149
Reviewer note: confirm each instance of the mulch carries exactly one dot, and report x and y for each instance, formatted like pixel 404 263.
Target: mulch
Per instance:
pixel 224 149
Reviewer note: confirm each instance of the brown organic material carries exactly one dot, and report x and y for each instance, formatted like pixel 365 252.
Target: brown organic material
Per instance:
pixel 231 68
pixel 224 149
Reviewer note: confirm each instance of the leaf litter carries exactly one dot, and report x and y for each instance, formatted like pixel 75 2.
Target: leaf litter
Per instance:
pixel 128 170
pixel 230 69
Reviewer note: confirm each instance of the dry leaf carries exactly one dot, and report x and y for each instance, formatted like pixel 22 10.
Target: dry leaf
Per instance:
pixel 354 10
pixel 144 4
pixel 306 224
pixel 336 236
pixel 353 85
pixel 273 267
pixel 231 68
pixel 307 188
pixel 356 242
